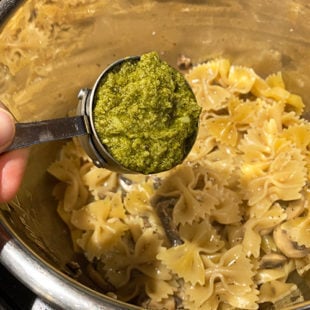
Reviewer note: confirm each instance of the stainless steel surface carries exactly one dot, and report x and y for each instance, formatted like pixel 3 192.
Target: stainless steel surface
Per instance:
pixel 53 288
pixel 7 7
pixel 40 304
pixel 32 133
pixel 269 36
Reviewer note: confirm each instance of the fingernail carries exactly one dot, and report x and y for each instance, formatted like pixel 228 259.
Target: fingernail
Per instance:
pixel 7 128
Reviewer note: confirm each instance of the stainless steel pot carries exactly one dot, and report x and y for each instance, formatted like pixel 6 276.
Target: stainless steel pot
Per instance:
pixel 266 35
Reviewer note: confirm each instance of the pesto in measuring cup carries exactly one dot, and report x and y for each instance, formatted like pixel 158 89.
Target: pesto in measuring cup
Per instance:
pixel 146 115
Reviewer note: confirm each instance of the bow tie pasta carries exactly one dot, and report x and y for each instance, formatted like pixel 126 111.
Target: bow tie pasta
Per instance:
pixel 225 229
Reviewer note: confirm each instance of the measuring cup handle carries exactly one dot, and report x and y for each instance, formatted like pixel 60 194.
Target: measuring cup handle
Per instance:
pixel 27 134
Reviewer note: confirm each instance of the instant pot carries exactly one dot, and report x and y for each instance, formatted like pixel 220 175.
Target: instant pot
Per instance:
pixel 268 36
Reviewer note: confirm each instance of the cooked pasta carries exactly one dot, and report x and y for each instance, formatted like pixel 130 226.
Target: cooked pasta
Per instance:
pixel 225 229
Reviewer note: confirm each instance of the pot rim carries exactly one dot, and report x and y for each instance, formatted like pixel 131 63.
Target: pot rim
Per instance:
pixel 46 281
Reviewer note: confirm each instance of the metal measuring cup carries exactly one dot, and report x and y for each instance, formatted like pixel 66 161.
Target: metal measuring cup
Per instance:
pixel 81 125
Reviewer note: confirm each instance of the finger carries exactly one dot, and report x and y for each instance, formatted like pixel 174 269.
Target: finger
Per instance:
pixel 12 167
pixel 7 129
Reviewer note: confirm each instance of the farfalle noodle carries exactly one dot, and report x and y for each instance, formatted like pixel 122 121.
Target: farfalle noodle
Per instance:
pixel 255 227
pixel 198 239
pixel 228 280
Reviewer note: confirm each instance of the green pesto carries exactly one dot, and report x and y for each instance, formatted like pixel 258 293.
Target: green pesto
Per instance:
pixel 146 115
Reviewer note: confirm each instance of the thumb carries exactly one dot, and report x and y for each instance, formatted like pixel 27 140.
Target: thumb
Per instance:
pixel 7 129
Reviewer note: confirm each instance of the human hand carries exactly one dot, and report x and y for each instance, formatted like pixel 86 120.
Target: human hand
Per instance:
pixel 12 164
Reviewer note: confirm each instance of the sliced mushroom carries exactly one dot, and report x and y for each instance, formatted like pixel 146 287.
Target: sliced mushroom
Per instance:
pixel 292 300
pixel 277 295
pixel 184 63
pixel 268 245
pixel 98 279
pixel 164 210
pixel 125 183
pixel 272 260
pixel 168 304
pixel 295 208
pixel 73 269
pixel 288 247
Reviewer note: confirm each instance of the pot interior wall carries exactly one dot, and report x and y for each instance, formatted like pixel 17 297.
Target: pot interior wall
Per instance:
pixel 269 36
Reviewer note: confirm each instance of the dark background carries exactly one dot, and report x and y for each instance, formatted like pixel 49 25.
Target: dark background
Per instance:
pixel 13 294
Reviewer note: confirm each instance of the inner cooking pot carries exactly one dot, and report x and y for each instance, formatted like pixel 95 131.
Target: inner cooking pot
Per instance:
pixel 51 49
